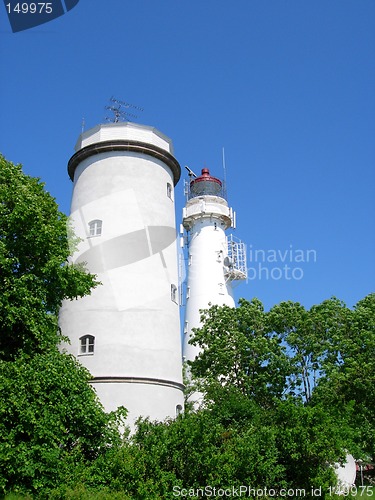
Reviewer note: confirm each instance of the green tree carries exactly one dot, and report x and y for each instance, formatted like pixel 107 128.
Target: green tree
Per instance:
pixel 50 418
pixel 35 275
pixel 239 352
pixel 310 336
pixel 233 443
pixel 199 449
pixel 348 379
pixel 332 350
pixel 311 371
pixel 308 439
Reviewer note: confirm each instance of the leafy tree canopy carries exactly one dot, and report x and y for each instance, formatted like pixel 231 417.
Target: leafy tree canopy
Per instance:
pixel 240 352
pixel 50 418
pixel 323 357
pixel 35 275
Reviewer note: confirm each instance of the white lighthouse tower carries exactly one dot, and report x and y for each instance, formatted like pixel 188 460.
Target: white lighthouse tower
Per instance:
pixel 214 260
pixel 127 332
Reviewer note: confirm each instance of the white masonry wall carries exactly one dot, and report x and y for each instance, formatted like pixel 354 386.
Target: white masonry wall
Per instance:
pixel 137 356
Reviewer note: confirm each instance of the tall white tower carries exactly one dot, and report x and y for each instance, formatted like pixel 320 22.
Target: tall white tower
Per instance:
pixel 127 332
pixel 214 260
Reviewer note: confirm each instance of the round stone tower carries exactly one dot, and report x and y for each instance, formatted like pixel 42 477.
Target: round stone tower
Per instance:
pixel 127 332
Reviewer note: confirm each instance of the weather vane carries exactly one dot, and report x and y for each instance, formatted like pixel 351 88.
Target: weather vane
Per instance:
pixel 119 110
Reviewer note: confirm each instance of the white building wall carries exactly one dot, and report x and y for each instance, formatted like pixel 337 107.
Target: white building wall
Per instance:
pixel 137 357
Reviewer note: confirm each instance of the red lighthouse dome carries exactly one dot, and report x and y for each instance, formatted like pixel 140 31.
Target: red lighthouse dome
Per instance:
pixel 205 184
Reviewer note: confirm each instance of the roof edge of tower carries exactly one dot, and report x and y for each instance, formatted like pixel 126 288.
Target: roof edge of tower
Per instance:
pixel 125 145
pixel 122 125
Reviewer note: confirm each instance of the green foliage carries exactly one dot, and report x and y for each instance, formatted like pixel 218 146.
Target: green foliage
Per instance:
pixel 311 371
pixel 240 353
pixel 50 418
pixel 198 449
pixel 195 450
pixel 308 439
pixel 349 373
pixel 226 446
pixel 75 493
pixel 309 336
pixel 35 275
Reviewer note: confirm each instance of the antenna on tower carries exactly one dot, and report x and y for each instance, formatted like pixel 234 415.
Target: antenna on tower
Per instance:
pixel 119 110
pixel 224 174
pixel 190 172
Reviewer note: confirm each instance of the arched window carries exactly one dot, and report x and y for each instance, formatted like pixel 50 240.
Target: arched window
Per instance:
pixel 174 293
pixel 95 227
pixel 178 410
pixel 169 190
pixel 87 343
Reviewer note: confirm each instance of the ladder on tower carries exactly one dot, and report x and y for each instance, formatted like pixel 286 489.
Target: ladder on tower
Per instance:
pixel 235 263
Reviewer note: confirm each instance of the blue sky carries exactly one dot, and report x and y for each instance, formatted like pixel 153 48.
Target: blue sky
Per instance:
pixel 286 86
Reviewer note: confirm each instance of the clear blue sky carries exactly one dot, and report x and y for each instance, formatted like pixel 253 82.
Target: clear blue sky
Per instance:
pixel 286 86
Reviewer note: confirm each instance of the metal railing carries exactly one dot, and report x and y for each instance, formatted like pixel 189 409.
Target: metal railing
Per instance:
pixel 235 263
pixel 188 194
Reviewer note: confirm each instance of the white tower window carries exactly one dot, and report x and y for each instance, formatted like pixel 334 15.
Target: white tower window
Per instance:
pixel 178 410
pixel 169 190
pixel 95 227
pixel 174 293
pixel 87 343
